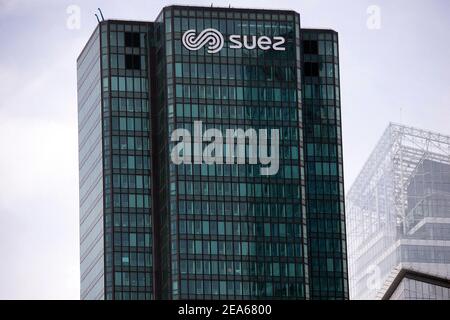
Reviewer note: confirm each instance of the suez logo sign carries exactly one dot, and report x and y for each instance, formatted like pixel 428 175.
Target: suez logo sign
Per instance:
pixel 215 41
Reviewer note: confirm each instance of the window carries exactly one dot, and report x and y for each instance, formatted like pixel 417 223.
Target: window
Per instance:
pixel 132 39
pixel 310 47
pixel 178 70
pixel 132 61
pixel 311 69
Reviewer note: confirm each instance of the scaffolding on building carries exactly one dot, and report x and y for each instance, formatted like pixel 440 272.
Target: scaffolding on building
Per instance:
pixel 379 202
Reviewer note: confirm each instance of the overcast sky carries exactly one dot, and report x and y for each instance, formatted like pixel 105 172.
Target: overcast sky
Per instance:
pixel 398 72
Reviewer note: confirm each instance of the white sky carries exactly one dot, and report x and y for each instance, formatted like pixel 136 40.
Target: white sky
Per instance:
pixel 402 66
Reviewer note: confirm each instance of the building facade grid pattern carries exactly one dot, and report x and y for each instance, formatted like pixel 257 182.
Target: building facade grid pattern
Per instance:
pixel 220 231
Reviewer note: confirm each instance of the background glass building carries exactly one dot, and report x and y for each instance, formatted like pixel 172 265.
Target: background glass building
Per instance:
pixel 151 229
pixel 398 214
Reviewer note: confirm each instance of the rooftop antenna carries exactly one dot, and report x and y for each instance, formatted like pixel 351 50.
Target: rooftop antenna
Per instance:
pixel 98 20
pixel 101 14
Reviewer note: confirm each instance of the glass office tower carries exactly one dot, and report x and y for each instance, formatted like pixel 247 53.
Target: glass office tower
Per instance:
pixel 220 231
pixel 115 163
pixel 323 158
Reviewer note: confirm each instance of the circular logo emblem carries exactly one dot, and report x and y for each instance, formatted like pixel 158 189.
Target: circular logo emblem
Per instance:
pixel 210 37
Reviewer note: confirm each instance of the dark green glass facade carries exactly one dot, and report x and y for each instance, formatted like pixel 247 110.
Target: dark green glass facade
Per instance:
pixel 116 224
pixel 232 232
pixel 324 165
pixel 127 161
pixel 223 231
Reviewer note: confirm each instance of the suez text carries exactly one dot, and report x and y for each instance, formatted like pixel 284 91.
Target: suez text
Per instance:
pixel 263 42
